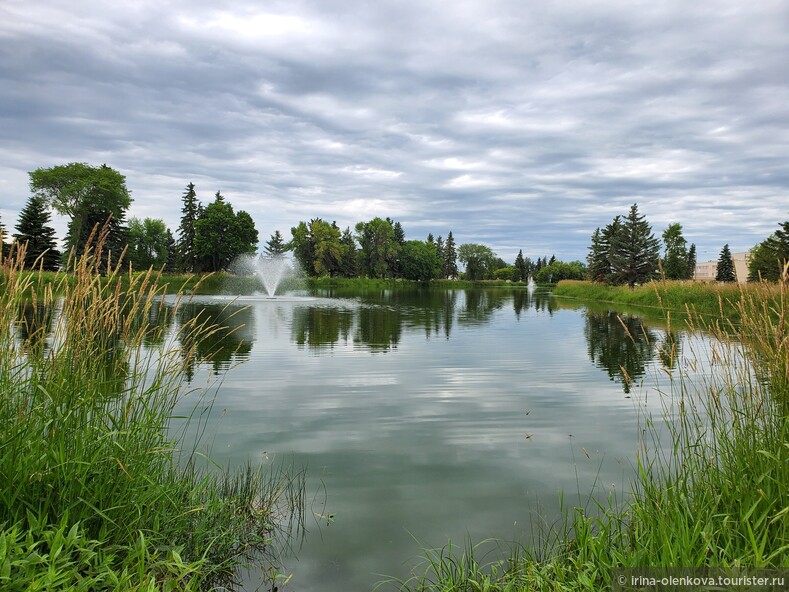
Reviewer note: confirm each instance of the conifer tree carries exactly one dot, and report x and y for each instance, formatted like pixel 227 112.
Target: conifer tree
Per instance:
pixel 691 273
pixel 191 210
pixel 725 272
pixel 520 274
pixel 450 258
pixel 34 231
pixel 635 251
pixel 276 245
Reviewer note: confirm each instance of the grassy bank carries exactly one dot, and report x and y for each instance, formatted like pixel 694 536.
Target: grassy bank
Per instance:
pixel 715 494
pixel 95 492
pixel 677 297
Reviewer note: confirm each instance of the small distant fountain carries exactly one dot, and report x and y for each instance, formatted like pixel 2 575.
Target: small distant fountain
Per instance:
pixel 272 270
pixel 531 286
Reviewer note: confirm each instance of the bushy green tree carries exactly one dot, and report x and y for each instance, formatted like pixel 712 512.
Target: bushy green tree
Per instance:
pixel 675 258
pixel 221 235
pixel 480 261
pixel 725 271
pixel 379 247
pixel 318 247
pixel 34 231
pixel 559 270
pixel 635 251
pixel 348 264
pixel 419 261
pixel 769 257
pixel 148 243
pixel 90 196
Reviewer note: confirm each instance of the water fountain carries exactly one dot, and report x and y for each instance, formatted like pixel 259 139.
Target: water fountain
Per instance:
pixel 531 286
pixel 272 270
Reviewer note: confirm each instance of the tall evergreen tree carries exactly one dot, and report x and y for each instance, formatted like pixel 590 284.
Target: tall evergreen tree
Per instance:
pixel 520 268
pixel 172 253
pixel 440 255
pixel 635 251
pixel 187 231
pixel 691 267
pixel 34 231
pixel 450 270
pixel 275 246
pixel 725 272
pixel 4 247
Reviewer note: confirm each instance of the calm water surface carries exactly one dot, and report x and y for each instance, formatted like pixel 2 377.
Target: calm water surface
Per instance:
pixel 426 416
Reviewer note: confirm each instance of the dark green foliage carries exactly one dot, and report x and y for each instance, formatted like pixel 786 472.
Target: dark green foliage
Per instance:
pixel 318 247
pixel 91 197
pixel 95 224
pixel 221 235
pixel 450 270
pixel 770 256
pixel 634 252
pixel 558 271
pixel 379 247
pixel 480 261
pixel 148 243
pixel 4 247
pixel 348 264
pixel 172 254
pixel 520 274
pixel 275 246
pixel 33 230
pixel 675 260
pixel 187 257
pixel 419 261
pixel 691 261
pixel 725 272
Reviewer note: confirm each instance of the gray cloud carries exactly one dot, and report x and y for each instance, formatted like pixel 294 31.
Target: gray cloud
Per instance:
pixel 515 125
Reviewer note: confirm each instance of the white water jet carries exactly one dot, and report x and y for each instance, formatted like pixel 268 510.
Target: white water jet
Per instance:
pixel 531 286
pixel 272 270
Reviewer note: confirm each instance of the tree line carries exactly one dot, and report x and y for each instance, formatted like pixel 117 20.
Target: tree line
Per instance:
pixel 209 237
pixel 626 252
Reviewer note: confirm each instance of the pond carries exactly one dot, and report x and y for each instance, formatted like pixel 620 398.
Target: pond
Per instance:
pixel 424 416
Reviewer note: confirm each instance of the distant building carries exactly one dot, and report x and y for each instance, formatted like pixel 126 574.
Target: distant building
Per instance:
pixel 706 270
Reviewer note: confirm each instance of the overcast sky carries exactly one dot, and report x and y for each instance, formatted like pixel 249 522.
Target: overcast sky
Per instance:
pixel 518 124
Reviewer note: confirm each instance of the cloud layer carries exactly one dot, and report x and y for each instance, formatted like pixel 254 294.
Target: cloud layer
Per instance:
pixel 510 123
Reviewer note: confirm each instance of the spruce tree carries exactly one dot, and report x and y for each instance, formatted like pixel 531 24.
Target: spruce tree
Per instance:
pixel 725 272
pixel 635 251
pixel 4 248
pixel 276 245
pixel 691 267
pixel 33 230
pixel 450 258
pixel 440 254
pixel 520 268
pixel 191 211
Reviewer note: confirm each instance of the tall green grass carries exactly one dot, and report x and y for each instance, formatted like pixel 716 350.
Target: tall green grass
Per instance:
pixel 711 482
pixel 688 298
pixel 95 491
